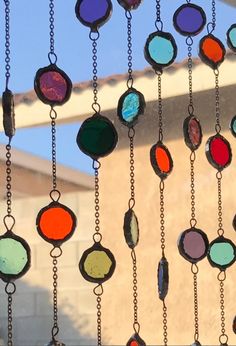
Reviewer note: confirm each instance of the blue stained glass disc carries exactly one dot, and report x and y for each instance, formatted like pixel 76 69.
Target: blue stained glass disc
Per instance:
pixel 189 20
pixel 130 106
pixel 160 50
pixel 231 37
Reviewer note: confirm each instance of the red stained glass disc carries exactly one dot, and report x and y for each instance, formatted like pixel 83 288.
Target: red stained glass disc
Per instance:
pixel 134 343
pixel 212 51
pixel 53 86
pixel 218 152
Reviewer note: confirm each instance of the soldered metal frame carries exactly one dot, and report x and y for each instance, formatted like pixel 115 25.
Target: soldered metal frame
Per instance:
pixel 127 229
pixel 128 7
pixel 142 105
pixel 157 66
pixel 163 286
pixel 97 247
pixel 115 134
pixel 229 42
pixel 231 126
pixel 54 242
pixel 189 33
pixel 181 245
pixel 162 175
pixel 204 58
pixel 209 156
pixel 94 26
pixel 11 277
pixel 41 96
pixel 136 337
pixel 221 239
pixel 187 139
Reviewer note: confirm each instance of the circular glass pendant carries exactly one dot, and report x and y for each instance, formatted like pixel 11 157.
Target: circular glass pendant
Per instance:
pixel 93 13
pixel 97 137
pixel 129 4
pixel 131 229
pixel 135 340
pixel 192 132
pixel 56 223
pixel 231 37
pixel 233 126
pixel 130 106
pixel 211 51
pixel 55 343
pixel 221 253
pixel 97 264
pixel 196 343
pixel 218 152
pixel 234 223
pixel 193 245
pixel 160 50
pixel 234 325
pixel 161 160
pixel 189 20
pixel 163 278
pixel 52 85
pixel 15 257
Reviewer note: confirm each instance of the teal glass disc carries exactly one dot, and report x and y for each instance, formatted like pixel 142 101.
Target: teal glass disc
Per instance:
pixel 221 253
pixel 231 37
pixel 233 126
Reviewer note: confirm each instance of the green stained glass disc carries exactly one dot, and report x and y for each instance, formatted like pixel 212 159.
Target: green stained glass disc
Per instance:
pixel 97 264
pixel 131 229
pixel 14 257
pixel 221 253
pixel 97 137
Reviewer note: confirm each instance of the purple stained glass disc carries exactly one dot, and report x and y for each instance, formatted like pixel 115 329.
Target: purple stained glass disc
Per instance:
pixel 189 20
pixel 193 245
pixel 93 13
pixel 129 4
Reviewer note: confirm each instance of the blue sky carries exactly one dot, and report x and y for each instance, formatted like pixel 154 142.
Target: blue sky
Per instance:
pixel 30 45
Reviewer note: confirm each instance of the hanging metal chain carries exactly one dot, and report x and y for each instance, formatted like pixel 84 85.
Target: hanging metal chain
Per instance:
pixel 130 80
pixel 131 135
pixel 94 36
pixel 158 22
pixel 223 338
pixel 165 325
pixel 220 230
pixel 160 106
pixel 7 41
pixel 194 269
pixel 98 291
pixel 193 220
pixel 10 289
pixel 53 116
pixel 162 216
pixel 189 43
pixel 217 101
pixel 8 179
pixel 136 324
pixel 212 25
pixel 52 55
pixel 97 237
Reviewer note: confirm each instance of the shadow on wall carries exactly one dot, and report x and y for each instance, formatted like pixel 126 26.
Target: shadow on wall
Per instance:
pixel 32 311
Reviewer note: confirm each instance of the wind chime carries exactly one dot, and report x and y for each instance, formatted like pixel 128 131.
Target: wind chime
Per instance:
pixel 15 255
pixel 222 251
pixel 97 137
pixel 130 106
pixel 160 52
pixel 189 20
pixel 55 223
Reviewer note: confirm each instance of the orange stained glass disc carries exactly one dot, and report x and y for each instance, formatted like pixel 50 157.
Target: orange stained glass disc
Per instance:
pixel 134 343
pixel 56 223
pixel 163 160
pixel 212 51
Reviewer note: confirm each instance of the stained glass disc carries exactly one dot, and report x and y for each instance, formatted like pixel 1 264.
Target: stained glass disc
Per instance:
pixel 135 340
pixel 93 13
pixel 55 343
pixel 218 152
pixel 221 253
pixel 129 4
pixel 192 132
pixel 97 264
pixel 163 278
pixel 161 160
pixel 231 37
pixel 8 113
pixel 233 126
pixel 211 51
pixel 56 223
pixel 15 258
pixel 189 20
pixel 234 325
pixel 97 137
pixel 160 50
pixel 52 85
pixel 193 245
pixel 196 343
pixel 130 106
pixel 131 229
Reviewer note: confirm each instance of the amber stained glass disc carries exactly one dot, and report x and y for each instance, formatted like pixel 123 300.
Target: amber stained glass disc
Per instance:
pixel 52 85
pixel 192 132
pixel 193 245
pixel 211 51
pixel 130 106
pixel 218 152
pixel 136 340
pixel 56 223
pixel 161 160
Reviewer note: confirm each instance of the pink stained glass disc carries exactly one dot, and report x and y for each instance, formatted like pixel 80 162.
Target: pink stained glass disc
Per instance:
pixel 192 132
pixel 130 4
pixel 53 86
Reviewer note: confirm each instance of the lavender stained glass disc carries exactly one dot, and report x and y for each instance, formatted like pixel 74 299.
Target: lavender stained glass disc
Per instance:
pixel 93 13
pixel 193 245
pixel 189 20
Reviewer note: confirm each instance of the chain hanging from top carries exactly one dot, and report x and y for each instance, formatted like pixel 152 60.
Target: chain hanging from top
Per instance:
pixel 160 52
pixel 189 20
pixel 219 155
pixel 130 106
pixel 97 263
pixel 55 223
pixel 15 256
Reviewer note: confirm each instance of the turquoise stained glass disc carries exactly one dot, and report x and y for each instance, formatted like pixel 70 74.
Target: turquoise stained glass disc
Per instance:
pixel 221 253
pixel 130 106
pixel 160 50
pixel 233 126
pixel 231 37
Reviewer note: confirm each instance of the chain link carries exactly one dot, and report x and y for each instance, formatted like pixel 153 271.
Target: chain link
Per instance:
pixel 162 216
pixel 223 338
pixel 189 43
pixel 94 36
pixel 212 25
pixel 7 41
pixel 97 235
pixel 165 325
pixel 130 80
pixel 131 135
pixel 51 26
pixel 98 291
pixel 193 220
pixel 10 289
pixel 217 102
pixel 158 22
pixel 194 270
pixel 220 230
pixel 53 116
pixel 8 179
pixel 136 324
pixel 160 106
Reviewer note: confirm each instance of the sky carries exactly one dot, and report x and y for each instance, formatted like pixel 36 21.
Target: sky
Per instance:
pixel 30 45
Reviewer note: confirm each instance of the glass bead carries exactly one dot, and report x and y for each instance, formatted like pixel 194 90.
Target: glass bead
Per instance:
pixel 129 4
pixel 221 253
pixel 56 223
pixel 211 51
pixel 161 160
pixel 189 19
pixel 233 126
pixel 160 50
pixel 8 113
pixel 192 132
pixel 97 264
pixel 94 13
pixel 218 152
pixel 97 137
pixel 231 37
pixel 130 106
pixel 193 245
pixel 131 229
pixel 163 278
pixel 136 340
